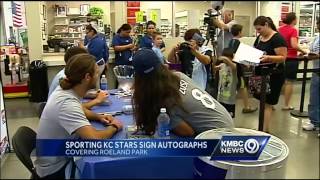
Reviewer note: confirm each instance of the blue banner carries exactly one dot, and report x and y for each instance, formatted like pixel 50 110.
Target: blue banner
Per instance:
pixel 228 148
pixel 126 147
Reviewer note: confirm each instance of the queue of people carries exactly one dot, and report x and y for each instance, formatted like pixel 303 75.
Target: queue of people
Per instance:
pixel 191 108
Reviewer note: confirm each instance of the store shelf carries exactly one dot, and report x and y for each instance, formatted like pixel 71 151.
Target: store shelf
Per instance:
pixel 71 37
pixel 77 24
pixel 70 25
pixel 307 9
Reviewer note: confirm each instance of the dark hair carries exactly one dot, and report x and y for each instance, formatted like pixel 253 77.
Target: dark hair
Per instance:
pixel 159 89
pixel 151 23
pixel 236 29
pixel 262 20
pixel 189 33
pixel 124 27
pixel 155 34
pixel 73 51
pixel 76 69
pixel 228 52
pixel 290 17
pixel 90 28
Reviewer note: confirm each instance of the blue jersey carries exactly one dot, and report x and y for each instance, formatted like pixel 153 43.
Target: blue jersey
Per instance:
pixel 146 42
pixel 122 57
pixel 97 47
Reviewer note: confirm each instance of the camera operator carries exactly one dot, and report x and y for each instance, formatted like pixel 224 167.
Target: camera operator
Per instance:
pixel 193 56
pixel 225 35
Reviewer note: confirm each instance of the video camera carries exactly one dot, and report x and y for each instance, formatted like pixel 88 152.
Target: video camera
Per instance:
pixel 210 16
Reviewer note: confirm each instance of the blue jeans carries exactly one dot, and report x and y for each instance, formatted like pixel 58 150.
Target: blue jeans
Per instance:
pixel 313 107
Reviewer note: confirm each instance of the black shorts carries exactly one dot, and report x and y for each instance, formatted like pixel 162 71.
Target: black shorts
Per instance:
pixel 231 108
pixel 291 69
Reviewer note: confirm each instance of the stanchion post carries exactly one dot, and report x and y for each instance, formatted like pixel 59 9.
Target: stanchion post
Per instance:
pixel 300 112
pixel 264 73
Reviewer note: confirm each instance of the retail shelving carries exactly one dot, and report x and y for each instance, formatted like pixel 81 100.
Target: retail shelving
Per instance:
pixel 309 11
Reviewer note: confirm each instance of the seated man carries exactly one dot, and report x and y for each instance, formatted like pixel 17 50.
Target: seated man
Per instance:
pixel 64 118
pixel 101 96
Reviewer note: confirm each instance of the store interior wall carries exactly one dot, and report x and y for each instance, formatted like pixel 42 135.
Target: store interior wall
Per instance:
pixel 105 5
pixel 34 30
pixel 7 17
pixel 272 9
pixel 244 9
pixel 3 37
pixel 164 6
pixel 115 14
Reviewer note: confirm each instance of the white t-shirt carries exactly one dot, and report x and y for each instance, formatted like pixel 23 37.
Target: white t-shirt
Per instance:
pixel 199 73
pixel 227 88
pixel 224 37
pixel 60 118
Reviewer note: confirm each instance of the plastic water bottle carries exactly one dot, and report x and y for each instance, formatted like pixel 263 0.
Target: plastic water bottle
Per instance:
pixel 103 83
pixel 163 119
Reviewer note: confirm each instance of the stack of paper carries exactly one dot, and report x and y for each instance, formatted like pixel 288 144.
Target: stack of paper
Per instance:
pixel 248 55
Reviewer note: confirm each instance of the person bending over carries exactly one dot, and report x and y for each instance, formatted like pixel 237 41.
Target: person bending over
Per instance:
pixel 191 109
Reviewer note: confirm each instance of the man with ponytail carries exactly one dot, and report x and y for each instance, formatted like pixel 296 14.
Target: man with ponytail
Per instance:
pixel 64 118
pixel 101 95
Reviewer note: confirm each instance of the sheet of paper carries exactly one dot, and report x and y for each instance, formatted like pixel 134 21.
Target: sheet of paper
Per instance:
pixel 248 55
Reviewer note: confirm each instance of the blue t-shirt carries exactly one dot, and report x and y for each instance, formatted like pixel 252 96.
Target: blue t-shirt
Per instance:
pixel 122 57
pixel 158 53
pixel 315 48
pixel 97 47
pixel 146 42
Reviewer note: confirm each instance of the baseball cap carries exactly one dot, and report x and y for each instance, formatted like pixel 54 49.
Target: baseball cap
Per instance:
pixel 145 61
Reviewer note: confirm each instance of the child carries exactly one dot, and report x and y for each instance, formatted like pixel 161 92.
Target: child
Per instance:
pixel 243 72
pixel 227 81
pixel 157 42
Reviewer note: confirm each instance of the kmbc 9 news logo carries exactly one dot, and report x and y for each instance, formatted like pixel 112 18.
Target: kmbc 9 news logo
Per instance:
pixel 239 148
pixel 251 146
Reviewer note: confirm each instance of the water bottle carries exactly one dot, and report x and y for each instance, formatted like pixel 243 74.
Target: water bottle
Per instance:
pixel 163 119
pixel 103 83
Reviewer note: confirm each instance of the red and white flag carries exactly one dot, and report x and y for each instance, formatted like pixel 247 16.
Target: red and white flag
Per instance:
pixel 17 17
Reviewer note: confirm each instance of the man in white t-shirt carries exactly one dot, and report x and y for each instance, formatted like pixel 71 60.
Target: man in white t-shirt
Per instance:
pixel 63 116
pixel 225 35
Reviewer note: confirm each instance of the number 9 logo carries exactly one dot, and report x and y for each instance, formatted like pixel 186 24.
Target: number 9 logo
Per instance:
pixel 251 146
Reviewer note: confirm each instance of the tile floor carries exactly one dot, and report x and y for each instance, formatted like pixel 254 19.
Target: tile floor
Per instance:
pixel 303 161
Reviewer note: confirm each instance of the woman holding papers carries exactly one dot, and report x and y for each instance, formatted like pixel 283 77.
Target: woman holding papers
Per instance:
pixel 275 48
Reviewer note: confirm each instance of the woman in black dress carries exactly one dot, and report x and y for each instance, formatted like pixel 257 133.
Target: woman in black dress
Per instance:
pixel 275 48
